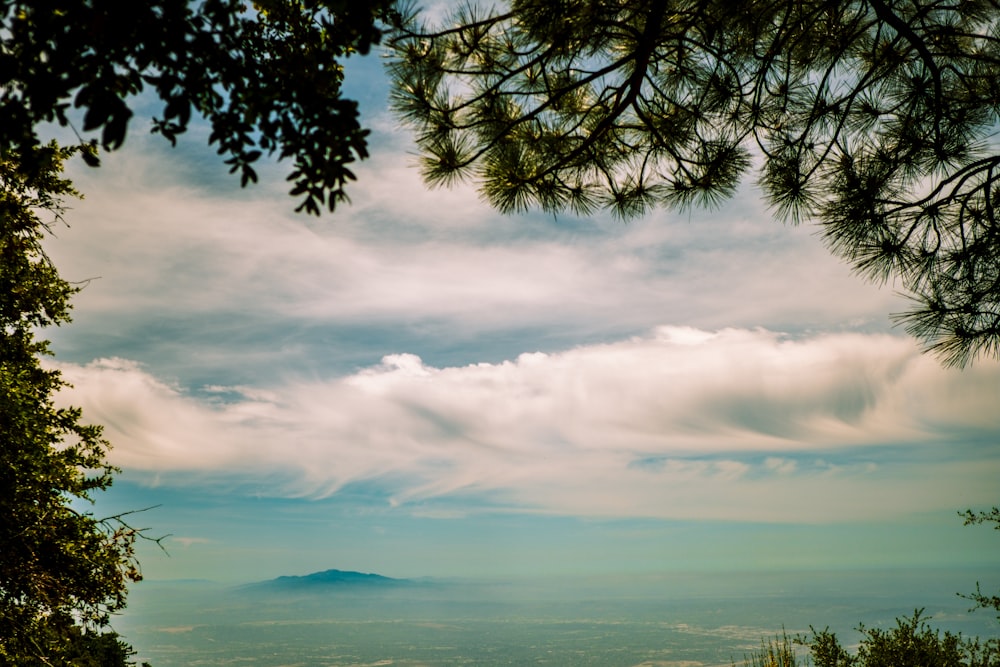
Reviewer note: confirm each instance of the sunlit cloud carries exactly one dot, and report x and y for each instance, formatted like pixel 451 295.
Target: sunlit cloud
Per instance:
pixel 687 423
pixel 418 383
pixel 186 542
pixel 161 247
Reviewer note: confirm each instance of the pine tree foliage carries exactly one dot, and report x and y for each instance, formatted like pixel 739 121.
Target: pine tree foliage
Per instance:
pixel 874 118
pixel 63 571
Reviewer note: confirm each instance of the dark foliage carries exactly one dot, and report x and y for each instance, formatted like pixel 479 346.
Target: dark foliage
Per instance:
pixel 61 567
pixel 267 77
pixel 873 117
pixel 912 643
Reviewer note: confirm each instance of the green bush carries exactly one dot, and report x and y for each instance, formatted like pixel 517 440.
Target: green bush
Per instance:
pixel 912 643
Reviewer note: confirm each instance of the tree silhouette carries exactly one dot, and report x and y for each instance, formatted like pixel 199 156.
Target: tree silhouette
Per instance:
pixel 61 567
pixel 266 76
pixel 872 117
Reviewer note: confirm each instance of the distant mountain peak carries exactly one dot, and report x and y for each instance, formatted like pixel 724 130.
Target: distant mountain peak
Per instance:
pixel 328 579
pixel 336 577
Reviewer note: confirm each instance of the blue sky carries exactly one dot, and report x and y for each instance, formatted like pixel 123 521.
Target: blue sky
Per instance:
pixel 417 385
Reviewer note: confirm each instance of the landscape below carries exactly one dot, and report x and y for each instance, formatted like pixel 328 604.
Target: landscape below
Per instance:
pixel 339 619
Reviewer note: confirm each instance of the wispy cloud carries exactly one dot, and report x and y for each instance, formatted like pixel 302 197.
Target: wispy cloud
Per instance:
pixel 418 358
pixel 188 541
pixel 736 424
pixel 402 253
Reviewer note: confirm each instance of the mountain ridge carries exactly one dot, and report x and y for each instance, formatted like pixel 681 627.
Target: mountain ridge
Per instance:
pixel 331 578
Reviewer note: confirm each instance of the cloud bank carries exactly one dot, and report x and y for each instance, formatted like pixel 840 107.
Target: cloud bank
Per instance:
pixel 681 423
pixel 400 253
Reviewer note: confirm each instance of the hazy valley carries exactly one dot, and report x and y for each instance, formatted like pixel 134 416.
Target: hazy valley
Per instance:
pixel 668 620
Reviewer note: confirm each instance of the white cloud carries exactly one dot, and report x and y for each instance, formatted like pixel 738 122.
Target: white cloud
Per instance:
pixel 698 420
pixel 680 423
pixel 780 465
pixel 402 253
pixel 188 541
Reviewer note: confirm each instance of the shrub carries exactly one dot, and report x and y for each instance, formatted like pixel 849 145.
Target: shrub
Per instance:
pixel 912 643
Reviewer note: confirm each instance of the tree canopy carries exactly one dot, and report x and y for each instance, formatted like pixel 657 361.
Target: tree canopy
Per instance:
pixel 61 567
pixel 873 117
pixel 267 78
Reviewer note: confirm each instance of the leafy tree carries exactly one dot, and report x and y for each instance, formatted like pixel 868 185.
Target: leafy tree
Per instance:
pixel 82 648
pixel 63 571
pixel 267 78
pixel 872 117
pixel 105 649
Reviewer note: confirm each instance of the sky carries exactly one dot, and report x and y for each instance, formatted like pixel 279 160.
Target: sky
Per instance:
pixel 417 385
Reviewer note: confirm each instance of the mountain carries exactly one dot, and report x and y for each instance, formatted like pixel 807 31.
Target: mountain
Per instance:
pixel 336 577
pixel 329 579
